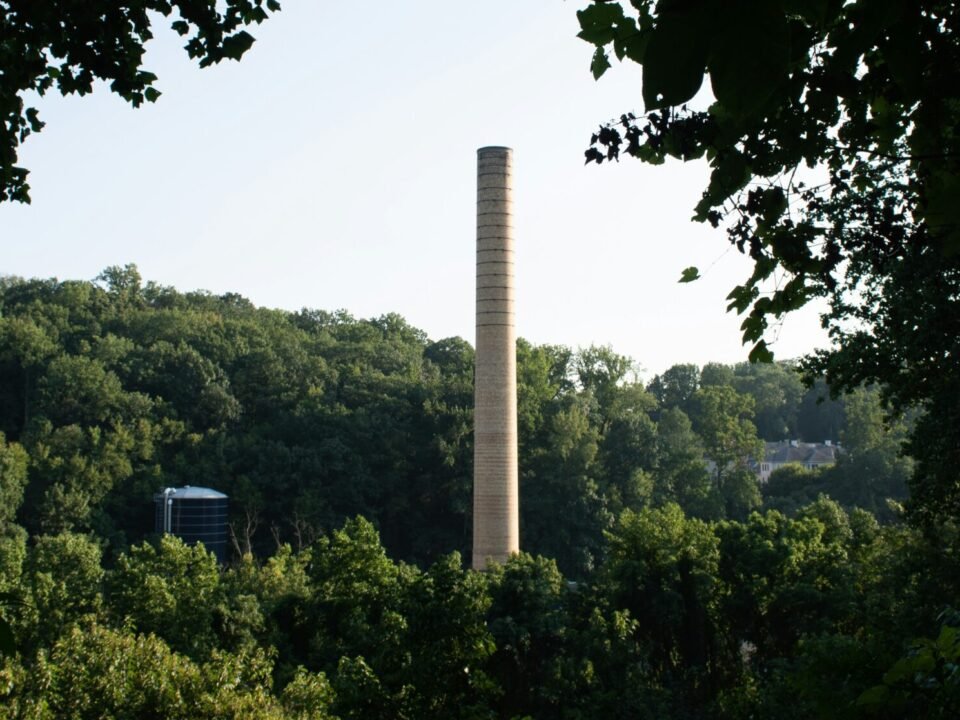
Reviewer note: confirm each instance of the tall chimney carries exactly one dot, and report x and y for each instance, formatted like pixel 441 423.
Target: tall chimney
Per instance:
pixel 496 523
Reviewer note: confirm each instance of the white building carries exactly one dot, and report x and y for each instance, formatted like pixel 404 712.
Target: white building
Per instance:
pixel 786 452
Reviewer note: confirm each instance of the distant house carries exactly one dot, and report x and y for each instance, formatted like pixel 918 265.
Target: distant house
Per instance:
pixel 786 452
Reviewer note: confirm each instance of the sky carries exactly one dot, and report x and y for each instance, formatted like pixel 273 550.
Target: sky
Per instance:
pixel 334 167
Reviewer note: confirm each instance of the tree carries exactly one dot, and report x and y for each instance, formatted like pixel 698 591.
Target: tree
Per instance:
pixel 61 583
pixel 13 479
pixel 792 486
pixel 171 590
pixel 723 418
pixel 819 417
pixel 353 609
pixel 716 374
pixel 662 568
pixel 784 578
pixel 776 389
pixel 865 91
pixel 563 511
pixel 527 621
pixel 603 374
pixel 446 644
pixel 675 386
pixel 681 475
pixel 68 46
pixel 97 672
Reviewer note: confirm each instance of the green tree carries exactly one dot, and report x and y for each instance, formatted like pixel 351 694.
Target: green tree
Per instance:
pixel 265 604
pixel 776 389
pixel 13 550
pixel 662 568
pixel 68 48
pixel 792 486
pixel 784 578
pixel 308 696
pixel 96 672
pixel 922 683
pixel 716 374
pixel 820 417
pixel 446 644
pixel 61 584
pixel 681 475
pixel 171 590
pixel 603 374
pixel 675 387
pixel 722 417
pixel 528 621
pixel 354 606
pixel 560 481
pixel 542 378
pixel 866 91
pixel 25 346
pixel 13 480
pixel 871 470
pixel 628 449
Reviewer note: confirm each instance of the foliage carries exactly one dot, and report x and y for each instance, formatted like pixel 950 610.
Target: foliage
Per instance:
pixel 675 386
pixel 95 672
pixel 722 417
pixel 528 622
pixel 661 569
pixel 117 389
pixel 683 618
pixel 787 578
pixel 923 683
pixel 659 593
pixel 69 47
pixel 13 480
pixel 866 93
pixel 172 591
pixel 61 585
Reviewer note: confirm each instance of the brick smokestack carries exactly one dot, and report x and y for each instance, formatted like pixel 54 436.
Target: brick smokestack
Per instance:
pixel 496 523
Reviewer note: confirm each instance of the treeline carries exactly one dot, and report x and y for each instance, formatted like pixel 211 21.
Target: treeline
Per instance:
pixel 815 616
pixel 115 389
pixel 657 584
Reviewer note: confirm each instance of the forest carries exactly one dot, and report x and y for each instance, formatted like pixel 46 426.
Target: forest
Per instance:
pixel 659 578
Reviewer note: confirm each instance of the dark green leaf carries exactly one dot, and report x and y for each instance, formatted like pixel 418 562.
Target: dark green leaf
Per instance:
pixel 761 353
pixel 236 45
pixel 749 58
pixel 741 297
pixel 753 328
pixel 635 46
pixel 600 63
pixel 673 62
pixel 689 275
pixel 599 21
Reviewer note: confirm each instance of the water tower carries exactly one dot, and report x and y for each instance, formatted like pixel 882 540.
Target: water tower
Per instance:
pixel 194 514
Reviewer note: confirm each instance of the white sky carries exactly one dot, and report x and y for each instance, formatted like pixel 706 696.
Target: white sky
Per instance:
pixel 334 167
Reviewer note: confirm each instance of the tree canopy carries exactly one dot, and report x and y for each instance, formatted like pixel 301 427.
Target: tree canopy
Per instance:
pixel 345 447
pixel 114 389
pixel 833 146
pixel 68 46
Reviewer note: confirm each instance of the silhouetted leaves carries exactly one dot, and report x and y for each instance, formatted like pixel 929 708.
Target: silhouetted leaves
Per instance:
pixel 68 46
